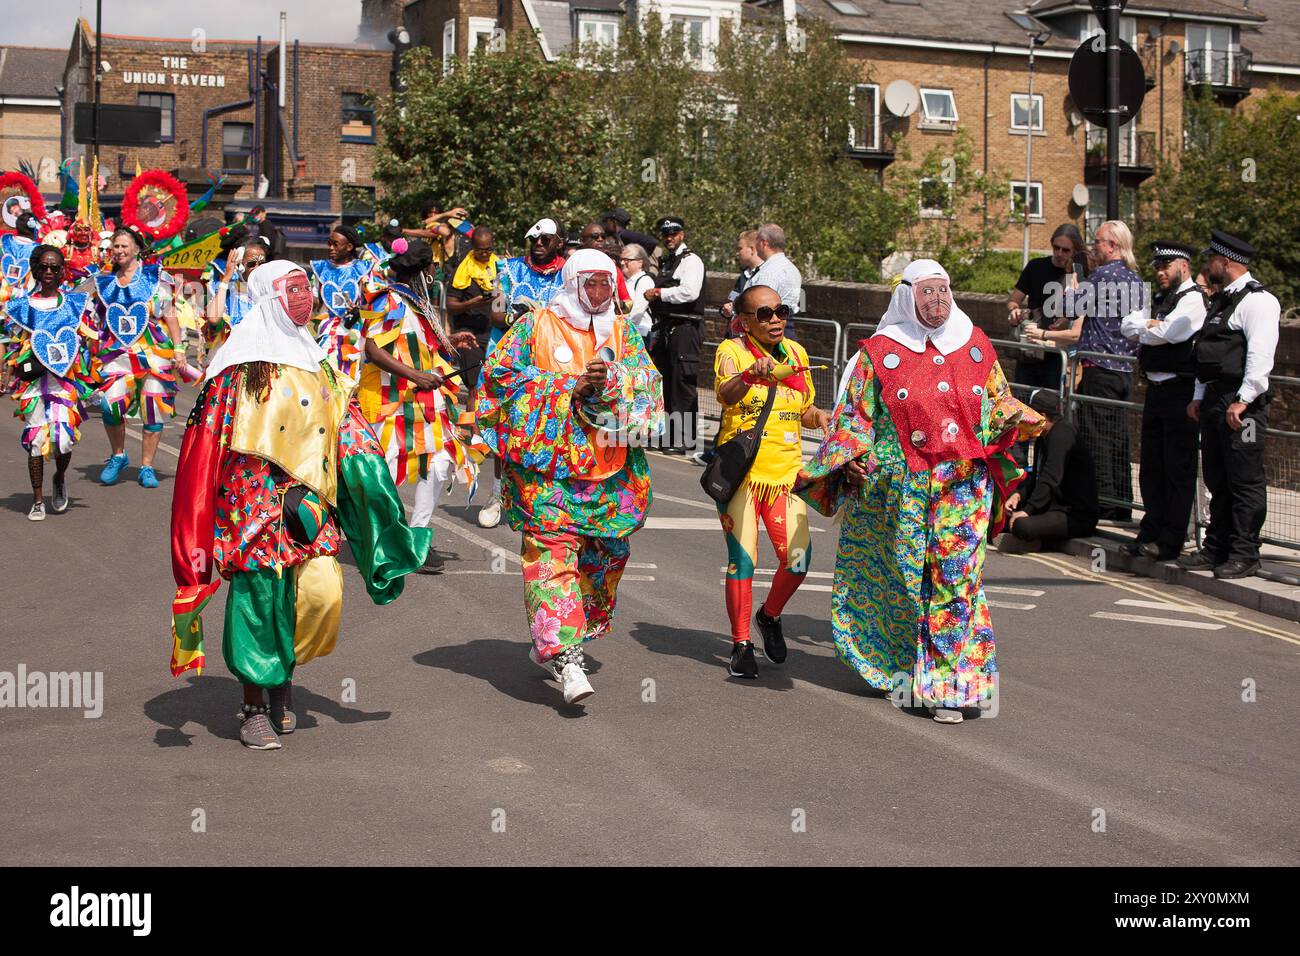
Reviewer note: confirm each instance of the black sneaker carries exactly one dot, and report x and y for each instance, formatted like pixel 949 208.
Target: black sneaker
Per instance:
pixel 1236 568
pixel 1198 560
pixel 742 660
pixel 1160 552
pixel 433 563
pixel 1133 548
pixel 774 648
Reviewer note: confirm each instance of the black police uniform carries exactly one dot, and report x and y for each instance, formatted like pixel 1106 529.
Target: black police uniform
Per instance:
pixel 1232 460
pixel 675 350
pixel 1167 470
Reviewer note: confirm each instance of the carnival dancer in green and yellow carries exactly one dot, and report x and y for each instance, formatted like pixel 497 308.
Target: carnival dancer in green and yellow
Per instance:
pixel 277 466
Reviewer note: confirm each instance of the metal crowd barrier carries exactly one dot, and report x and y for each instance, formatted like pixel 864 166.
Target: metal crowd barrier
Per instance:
pixel 1112 427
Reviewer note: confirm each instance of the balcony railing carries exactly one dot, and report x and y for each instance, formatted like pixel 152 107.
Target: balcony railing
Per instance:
pixel 871 132
pixel 1229 68
pixel 1137 150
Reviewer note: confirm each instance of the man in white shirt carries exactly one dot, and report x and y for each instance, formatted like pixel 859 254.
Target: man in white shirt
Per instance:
pixel 1164 332
pixel 1233 356
pixel 777 271
pixel 675 304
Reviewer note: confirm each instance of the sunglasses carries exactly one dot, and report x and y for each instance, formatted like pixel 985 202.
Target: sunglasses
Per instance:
pixel 764 313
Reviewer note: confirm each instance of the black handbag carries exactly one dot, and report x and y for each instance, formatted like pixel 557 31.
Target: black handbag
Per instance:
pixel 29 369
pixel 733 459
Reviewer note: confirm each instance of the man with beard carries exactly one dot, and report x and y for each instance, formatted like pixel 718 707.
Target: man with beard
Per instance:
pixel 527 282
pixel 1233 356
pixel 1164 333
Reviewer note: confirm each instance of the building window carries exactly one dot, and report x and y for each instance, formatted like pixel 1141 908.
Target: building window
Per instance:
pixel 237 147
pixel 358 202
pixel 1212 54
pixel 165 102
pixel 358 118
pixel 448 45
pixel 692 31
pixel 1088 26
pixel 1024 114
pixel 936 196
pixel 597 31
pixel 864 131
pixel 1028 203
pixel 1096 212
pixel 324 195
pixel 481 31
pixel 939 109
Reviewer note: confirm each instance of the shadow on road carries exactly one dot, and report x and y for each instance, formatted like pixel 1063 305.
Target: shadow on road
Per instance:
pixel 214 702
pixel 504 665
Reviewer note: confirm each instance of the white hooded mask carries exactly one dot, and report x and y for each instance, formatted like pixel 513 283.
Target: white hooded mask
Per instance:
pixel 571 302
pixel 266 333
pixel 901 324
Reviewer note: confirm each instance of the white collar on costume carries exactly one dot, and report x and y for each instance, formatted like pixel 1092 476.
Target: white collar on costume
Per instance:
pixel 947 338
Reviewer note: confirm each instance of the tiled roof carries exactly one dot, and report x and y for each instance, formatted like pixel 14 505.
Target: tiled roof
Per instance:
pixel 955 21
pixel 1278 40
pixel 27 71
pixel 1221 8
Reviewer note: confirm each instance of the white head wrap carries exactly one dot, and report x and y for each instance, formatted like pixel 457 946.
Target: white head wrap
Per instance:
pixel 266 333
pixel 571 302
pixel 901 324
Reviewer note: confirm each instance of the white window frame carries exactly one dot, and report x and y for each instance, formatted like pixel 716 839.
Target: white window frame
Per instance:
pixel 874 142
pixel 936 122
pixel 1018 189
pixel 931 212
pixel 609 22
pixel 448 45
pixel 1035 108
pixel 478 27
pixel 703 62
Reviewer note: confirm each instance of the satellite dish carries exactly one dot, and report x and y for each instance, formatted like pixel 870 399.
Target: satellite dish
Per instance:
pixel 901 98
pixel 1075 118
pixel 1080 196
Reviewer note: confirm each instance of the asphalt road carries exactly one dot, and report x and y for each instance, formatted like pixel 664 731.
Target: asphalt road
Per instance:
pixel 1121 705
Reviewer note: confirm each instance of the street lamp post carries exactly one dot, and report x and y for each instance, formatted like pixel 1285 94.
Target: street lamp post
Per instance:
pixel 1034 40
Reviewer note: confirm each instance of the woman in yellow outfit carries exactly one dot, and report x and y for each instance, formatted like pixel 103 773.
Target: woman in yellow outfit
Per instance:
pixel 744 370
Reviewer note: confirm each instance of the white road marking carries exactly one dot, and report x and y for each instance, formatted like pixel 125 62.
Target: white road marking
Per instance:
pixel 1158 606
pixel 1010 606
pixel 812 574
pixel 644 567
pixel 473 538
pixel 1027 592
pixel 803 587
pixel 691 502
pixel 1166 621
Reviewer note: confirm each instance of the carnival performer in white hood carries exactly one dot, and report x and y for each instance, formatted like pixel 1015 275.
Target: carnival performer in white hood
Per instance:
pixel 560 393
pixel 917 461
pixel 277 466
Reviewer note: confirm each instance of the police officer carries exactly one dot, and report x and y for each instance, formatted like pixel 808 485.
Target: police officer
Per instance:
pixel 676 306
pixel 1233 356
pixel 1164 333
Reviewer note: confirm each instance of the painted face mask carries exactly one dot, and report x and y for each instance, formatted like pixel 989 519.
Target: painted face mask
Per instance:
pixel 933 301
pixel 595 290
pixel 294 292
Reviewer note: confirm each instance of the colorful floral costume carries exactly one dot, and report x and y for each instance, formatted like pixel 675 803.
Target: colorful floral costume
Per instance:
pixel 338 289
pixel 765 493
pixel 575 497
pixel 60 339
pixel 414 428
pixel 932 428
pixel 135 352
pixel 266 486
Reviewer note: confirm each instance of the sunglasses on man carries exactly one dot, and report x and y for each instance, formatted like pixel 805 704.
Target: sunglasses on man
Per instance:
pixel 764 313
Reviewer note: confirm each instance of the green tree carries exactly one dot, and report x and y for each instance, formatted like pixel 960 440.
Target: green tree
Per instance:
pixel 1238 172
pixel 505 134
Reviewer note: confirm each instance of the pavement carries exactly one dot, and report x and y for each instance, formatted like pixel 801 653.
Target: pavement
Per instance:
pixel 1139 722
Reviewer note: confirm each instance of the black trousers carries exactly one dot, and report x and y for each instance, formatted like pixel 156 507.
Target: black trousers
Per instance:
pixel 1105 431
pixel 1167 474
pixel 1052 527
pixel 1232 463
pixel 1039 373
pixel 677 356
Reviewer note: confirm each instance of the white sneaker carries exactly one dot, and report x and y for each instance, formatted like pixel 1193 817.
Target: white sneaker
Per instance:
pixel 575 684
pixel 489 516
pixel 38 512
pixel 548 666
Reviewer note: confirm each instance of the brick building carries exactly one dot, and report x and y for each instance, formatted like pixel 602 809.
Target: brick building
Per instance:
pixel 29 111
pixel 965 63
pixel 308 163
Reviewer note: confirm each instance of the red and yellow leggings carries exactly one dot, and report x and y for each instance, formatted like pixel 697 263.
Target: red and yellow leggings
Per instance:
pixel 786 520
